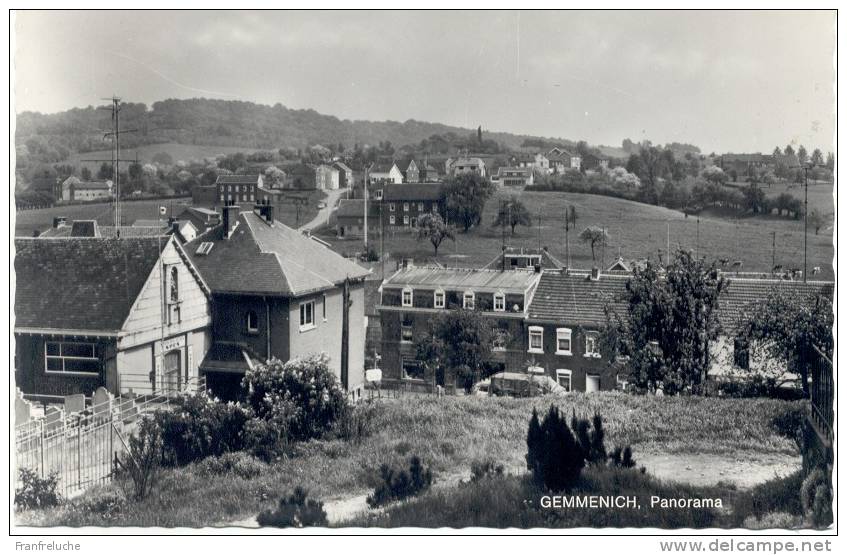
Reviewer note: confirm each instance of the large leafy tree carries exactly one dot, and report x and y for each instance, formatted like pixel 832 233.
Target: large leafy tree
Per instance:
pixel 593 236
pixel 466 196
pixel 787 325
pixel 666 322
pixel 459 341
pixel 512 213
pixel 433 227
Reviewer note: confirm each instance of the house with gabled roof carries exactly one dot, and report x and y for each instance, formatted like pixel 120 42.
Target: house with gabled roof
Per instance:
pixel 277 294
pixel 385 173
pixel 130 314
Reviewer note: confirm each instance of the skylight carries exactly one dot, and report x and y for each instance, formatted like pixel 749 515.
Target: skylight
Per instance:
pixel 204 248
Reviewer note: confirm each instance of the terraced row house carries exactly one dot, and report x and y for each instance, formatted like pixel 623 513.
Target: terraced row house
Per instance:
pixel 548 320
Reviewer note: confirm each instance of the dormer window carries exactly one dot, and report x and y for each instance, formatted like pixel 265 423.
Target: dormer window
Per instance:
pixel 438 299
pixel 499 302
pixel 468 300
pixel 407 296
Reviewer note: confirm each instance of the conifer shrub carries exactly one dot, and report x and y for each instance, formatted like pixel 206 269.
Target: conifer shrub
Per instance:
pixel 399 483
pixel 554 457
pixel 294 511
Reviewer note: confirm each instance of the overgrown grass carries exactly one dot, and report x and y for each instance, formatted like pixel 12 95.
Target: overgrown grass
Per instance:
pixel 448 434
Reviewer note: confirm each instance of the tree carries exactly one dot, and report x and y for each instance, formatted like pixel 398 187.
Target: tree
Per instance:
pixel 754 198
pixel 432 226
pixel 802 155
pixel 163 158
pixel 553 455
pixel 830 161
pixel 105 171
pixel 85 173
pixel 464 338
pixel 777 152
pixel 466 196
pixel 594 236
pixel 572 215
pixel 714 174
pixel 817 157
pixel 512 213
pixel 667 324
pixel 816 220
pixel 789 150
pixel 787 325
pixel 479 134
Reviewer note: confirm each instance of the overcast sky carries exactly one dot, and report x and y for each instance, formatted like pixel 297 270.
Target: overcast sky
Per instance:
pixel 725 81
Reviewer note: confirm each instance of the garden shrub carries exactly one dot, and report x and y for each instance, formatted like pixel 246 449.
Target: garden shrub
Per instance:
pixel 241 464
pixel 816 498
pixel 106 502
pixel 485 469
pixel 357 421
pixel 398 483
pixel 36 492
pixel 201 427
pixel 773 521
pixel 553 455
pixel 141 463
pixel 301 397
pixel 779 495
pixel 790 423
pixel 591 437
pixel 295 510
pixel 622 457
pixel 264 440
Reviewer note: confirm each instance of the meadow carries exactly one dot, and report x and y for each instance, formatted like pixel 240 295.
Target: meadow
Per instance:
pixel 449 434
pixel 27 221
pixel 636 231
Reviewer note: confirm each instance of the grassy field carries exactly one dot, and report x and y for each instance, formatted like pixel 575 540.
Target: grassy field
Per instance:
pixel 636 231
pixel 448 433
pixel 28 221
pixel 146 152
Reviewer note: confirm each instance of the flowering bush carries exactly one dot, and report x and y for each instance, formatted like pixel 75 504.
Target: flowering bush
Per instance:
pixel 301 397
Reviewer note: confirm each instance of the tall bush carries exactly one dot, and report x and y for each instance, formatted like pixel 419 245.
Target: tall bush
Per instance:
pixel 301 397
pixel 553 455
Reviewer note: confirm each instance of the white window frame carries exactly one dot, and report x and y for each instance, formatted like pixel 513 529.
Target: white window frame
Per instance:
pixel 252 329
pixel 435 297
pixel 420 207
pixel 536 330
pixel 391 207
pixel 405 207
pixel 564 333
pixel 594 337
pixel 405 220
pixel 305 324
pixel 469 295
pixel 502 298
pixel 62 357
pixel 391 220
pixel 411 293
pixel 410 328
pixel 561 372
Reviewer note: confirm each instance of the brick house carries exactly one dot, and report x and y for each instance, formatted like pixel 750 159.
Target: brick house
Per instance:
pixel 238 189
pixel 402 205
pixel 129 314
pixel 277 293
pixel 411 296
pixel 562 160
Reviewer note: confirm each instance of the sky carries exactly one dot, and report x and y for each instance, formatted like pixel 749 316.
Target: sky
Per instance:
pixel 724 81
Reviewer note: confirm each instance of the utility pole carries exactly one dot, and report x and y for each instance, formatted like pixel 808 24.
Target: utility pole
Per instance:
pixel 805 222
pixel 367 171
pixel 567 242
pixel 697 251
pixel 773 251
pixel 603 250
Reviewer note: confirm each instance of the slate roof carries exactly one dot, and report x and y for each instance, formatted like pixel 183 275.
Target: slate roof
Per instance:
pixel 462 278
pixel 739 296
pixel 94 185
pixel 268 260
pixel 238 179
pixel 412 191
pixel 575 298
pixel 80 283
pixel 110 231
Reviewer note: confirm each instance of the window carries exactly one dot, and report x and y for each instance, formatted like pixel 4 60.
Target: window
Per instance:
pixel 536 339
pixel 391 220
pixel 500 340
pixel 406 323
pixel 204 248
pixel 420 207
pixel 405 220
pixel 391 207
pixel 71 357
pixel 468 300
pixel 563 341
pixel 173 286
pixel 405 207
pixel 563 378
pixel 741 353
pixel 412 369
pixel 323 307
pixel 252 322
pixel 438 299
pixel 499 302
pixel 407 296
pixel 591 347
pixel 307 315
pixel 222 197
pixel 378 194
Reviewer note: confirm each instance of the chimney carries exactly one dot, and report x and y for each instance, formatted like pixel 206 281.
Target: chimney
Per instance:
pixel 175 226
pixel 595 274
pixel 265 210
pixel 229 215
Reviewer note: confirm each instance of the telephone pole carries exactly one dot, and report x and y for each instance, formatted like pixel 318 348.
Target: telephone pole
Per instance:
pixel 567 241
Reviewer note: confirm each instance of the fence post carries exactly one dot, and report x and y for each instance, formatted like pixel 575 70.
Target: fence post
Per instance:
pixel 78 460
pixel 41 447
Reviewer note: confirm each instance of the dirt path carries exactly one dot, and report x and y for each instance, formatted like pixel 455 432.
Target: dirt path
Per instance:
pixel 322 217
pixel 707 470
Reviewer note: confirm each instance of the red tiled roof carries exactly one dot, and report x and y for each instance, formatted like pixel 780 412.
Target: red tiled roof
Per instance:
pixel 575 298
pixel 740 295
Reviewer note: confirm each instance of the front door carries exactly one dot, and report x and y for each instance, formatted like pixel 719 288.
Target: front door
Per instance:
pixel 171 378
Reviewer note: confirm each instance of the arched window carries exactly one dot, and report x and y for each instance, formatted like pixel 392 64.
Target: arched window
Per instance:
pixel 252 322
pixel 174 284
